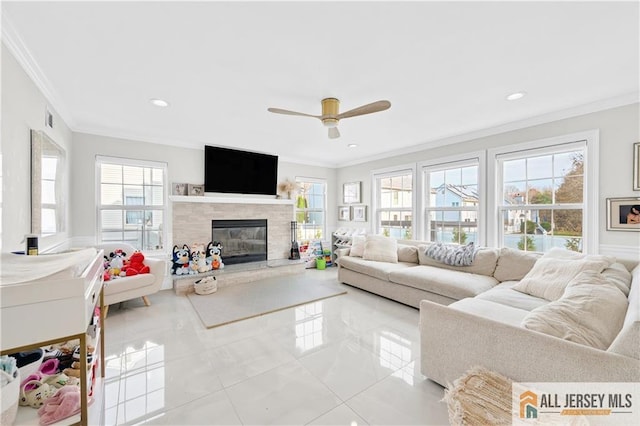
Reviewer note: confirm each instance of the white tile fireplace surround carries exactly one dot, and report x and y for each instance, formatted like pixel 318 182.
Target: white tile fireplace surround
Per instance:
pixel 192 218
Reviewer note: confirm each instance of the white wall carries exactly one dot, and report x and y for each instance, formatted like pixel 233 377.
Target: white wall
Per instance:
pixel 619 129
pixel 23 109
pixel 183 165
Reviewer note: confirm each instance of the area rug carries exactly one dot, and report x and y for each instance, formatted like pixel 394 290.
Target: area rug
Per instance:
pixel 242 301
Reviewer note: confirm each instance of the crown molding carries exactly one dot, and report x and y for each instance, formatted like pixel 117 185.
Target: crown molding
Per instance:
pixel 12 40
pixel 601 105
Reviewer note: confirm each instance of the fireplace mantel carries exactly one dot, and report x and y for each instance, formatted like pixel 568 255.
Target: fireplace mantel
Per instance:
pixel 228 200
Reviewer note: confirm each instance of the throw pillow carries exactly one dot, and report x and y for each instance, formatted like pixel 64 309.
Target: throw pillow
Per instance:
pixel 381 249
pixel 514 264
pixel 407 253
pixel 549 276
pixel 452 254
pixel 357 246
pixel 591 312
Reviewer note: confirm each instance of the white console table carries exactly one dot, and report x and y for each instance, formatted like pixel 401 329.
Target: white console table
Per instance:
pixel 55 309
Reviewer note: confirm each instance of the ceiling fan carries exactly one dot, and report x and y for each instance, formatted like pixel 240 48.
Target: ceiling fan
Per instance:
pixel 330 116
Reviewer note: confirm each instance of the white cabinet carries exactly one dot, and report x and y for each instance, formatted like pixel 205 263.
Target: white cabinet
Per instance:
pixel 54 309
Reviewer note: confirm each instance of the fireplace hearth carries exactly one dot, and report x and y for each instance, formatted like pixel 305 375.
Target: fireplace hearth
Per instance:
pixel 243 240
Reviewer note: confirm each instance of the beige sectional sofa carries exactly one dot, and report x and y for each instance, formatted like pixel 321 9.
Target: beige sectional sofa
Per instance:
pixel 473 315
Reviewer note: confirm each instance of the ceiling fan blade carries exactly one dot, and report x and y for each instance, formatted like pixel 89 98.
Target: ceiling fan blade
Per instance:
pixel 365 109
pixel 334 133
pixel 287 112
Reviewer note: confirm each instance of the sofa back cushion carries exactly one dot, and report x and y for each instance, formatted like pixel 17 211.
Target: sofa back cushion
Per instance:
pixel 627 342
pixel 514 264
pixel 618 275
pixel 550 275
pixel 407 253
pixel 484 262
pixel 590 312
pixel 381 249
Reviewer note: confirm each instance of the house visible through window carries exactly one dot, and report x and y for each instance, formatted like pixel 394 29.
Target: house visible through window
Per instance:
pixel 394 204
pixel 452 202
pixel 543 202
pixel 310 207
pixel 131 205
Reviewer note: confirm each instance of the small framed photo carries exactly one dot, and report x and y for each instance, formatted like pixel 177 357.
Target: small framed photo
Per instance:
pixel 196 190
pixel 179 189
pixel 351 193
pixel 344 213
pixel 623 214
pixel 359 213
pixel 636 166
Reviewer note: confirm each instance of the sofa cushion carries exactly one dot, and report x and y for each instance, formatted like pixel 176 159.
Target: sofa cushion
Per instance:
pixel 504 294
pixel 618 275
pixel 407 253
pixel 453 284
pixel 484 263
pixel 357 245
pixel 627 342
pixel 590 312
pixel 118 285
pixel 491 310
pixel 372 268
pixel 514 264
pixel 381 249
pixel 550 276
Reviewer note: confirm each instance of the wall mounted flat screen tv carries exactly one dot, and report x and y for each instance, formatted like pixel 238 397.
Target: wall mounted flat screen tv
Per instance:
pixel 239 172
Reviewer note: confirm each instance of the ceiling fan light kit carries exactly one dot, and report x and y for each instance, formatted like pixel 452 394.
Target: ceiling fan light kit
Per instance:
pixel 330 113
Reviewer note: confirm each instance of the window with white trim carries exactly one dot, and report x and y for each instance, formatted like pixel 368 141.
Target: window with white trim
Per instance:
pixel 452 201
pixel 542 200
pixel 310 206
pixel 394 203
pixel 131 202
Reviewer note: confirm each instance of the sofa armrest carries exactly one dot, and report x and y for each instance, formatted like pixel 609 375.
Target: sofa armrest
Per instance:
pixel 452 341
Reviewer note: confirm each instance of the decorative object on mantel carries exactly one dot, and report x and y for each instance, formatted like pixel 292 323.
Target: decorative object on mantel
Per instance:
pixel 636 166
pixel 197 190
pixel 287 187
pixel 179 189
pixel 623 214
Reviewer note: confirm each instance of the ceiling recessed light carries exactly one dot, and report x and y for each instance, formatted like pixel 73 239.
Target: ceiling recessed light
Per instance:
pixel 353 145
pixel 159 102
pixel 516 96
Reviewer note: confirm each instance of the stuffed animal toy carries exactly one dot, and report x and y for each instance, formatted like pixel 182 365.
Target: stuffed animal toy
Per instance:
pixel 199 260
pixel 214 249
pixel 136 265
pixel 181 259
pixel 117 263
pixel 106 274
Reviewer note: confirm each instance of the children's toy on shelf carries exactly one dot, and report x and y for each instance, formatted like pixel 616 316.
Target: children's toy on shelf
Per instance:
pixel 199 259
pixel 214 258
pixel 136 265
pixel 181 259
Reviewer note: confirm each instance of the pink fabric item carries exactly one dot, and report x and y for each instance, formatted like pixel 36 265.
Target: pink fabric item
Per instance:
pixel 35 376
pixel 56 398
pixel 49 367
pixel 67 405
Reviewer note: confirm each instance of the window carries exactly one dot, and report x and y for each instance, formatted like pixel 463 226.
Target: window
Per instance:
pixel 394 203
pixel 131 205
pixel 311 208
pixel 452 201
pixel 542 199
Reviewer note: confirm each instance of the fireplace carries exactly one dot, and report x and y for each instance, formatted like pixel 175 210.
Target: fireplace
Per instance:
pixel 242 240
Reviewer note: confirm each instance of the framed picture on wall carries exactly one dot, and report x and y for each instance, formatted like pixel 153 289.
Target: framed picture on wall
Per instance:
pixel 623 214
pixel 351 193
pixel 344 213
pixel 636 166
pixel 359 213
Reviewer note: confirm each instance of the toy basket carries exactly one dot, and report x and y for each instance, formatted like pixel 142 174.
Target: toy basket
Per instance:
pixel 9 395
pixel 206 285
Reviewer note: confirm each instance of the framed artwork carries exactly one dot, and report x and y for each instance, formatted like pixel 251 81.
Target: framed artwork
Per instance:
pixel 344 213
pixel 359 213
pixel 196 190
pixel 623 214
pixel 636 166
pixel 179 189
pixel 351 193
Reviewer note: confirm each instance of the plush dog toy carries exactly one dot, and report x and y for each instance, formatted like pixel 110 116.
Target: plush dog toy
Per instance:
pixel 199 260
pixel 136 265
pixel 181 259
pixel 214 249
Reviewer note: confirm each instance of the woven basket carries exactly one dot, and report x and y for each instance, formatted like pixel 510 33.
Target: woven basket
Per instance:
pixel 207 285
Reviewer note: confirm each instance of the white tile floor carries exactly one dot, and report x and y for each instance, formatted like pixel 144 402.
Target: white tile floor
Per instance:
pixel 346 360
